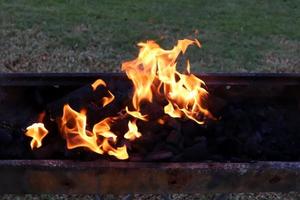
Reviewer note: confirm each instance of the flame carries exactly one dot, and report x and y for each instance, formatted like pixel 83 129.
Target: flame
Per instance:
pixel 188 67
pixel 185 93
pixel 154 75
pixel 132 132
pixel 73 126
pixel 136 114
pixel 37 131
pixel 105 100
pixel 108 100
pixel 119 152
pixel 98 83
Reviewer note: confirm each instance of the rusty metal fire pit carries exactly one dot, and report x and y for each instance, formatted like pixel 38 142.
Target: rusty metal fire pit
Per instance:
pixel 23 171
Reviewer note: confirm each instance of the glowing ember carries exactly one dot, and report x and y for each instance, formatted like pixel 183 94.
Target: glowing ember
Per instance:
pixel 37 131
pixel 154 75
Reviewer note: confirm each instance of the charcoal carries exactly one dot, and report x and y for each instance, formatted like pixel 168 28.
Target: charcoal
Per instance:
pixel 162 133
pixel 174 137
pixel 136 157
pixel 253 145
pixel 191 129
pixel 217 157
pixel 47 151
pixel 5 136
pixel 216 104
pixel 77 99
pixel 96 113
pixel 156 129
pixel 250 125
pixel 243 132
pixel 159 156
pixel 153 110
pixel 15 150
pixel 230 146
pixel 80 154
pixel 142 145
pixel 174 123
pixel 198 151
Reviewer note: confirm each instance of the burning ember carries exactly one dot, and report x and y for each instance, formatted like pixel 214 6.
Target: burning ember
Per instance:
pixel 155 80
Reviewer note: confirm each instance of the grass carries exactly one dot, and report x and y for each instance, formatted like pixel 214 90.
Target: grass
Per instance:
pixel 81 35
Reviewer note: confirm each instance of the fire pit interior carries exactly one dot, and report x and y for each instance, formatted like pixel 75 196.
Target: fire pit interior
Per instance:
pixel 255 120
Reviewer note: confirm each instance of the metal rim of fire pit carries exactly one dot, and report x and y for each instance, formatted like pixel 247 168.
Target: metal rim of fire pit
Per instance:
pixel 64 176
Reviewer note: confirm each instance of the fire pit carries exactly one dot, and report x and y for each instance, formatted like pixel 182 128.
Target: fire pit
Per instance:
pixel 153 130
pixel 256 104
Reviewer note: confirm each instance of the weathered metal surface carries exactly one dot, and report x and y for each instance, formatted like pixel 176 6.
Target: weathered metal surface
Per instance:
pixel 57 176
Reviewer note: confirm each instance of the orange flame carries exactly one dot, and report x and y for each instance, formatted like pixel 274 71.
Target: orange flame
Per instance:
pixel 97 83
pixel 185 93
pixel 132 132
pixel 105 100
pixel 37 131
pixel 136 114
pixel 108 100
pixel 73 126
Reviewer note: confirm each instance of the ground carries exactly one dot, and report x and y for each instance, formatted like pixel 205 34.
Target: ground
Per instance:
pixel 90 36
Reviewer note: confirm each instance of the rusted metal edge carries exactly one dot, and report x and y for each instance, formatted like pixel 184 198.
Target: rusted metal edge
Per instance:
pixel 41 79
pixel 75 177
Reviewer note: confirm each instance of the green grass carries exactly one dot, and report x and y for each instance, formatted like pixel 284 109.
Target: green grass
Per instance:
pixel 236 35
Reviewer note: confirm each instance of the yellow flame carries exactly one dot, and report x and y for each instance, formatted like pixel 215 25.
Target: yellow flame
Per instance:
pixel 105 100
pixel 108 100
pixel 132 132
pixel 98 83
pixel 136 114
pixel 37 131
pixel 185 93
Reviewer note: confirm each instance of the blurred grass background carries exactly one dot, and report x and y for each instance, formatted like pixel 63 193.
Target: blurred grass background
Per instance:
pixel 91 35
pixel 96 36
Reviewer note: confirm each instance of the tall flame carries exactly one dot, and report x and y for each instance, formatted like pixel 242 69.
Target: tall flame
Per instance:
pixel 185 93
